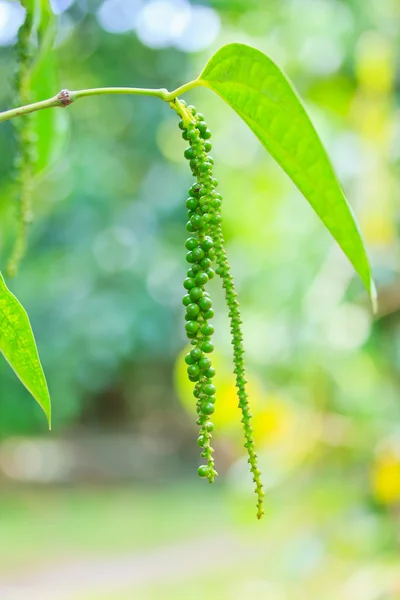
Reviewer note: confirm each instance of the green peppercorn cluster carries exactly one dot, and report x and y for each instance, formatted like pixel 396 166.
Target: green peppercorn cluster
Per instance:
pixel 200 256
pixel 206 246
pixel 26 137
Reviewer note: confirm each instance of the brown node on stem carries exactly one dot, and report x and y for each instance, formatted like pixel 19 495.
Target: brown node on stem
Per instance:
pixel 65 98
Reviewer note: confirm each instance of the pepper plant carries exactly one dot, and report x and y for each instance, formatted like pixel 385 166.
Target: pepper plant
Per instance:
pixel 261 94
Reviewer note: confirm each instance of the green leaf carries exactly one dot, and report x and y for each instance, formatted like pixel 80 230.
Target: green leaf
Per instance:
pixel 51 126
pixel 17 344
pixel 253 85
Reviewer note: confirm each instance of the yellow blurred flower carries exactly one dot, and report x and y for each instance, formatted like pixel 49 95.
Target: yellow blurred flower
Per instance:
pixel 386 477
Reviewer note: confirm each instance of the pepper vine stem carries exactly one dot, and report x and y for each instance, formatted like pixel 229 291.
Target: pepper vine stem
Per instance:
pixel 65 97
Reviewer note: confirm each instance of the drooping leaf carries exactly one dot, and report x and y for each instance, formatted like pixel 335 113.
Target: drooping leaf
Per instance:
pixel 51 126
pixel 254 86
pixel 17 344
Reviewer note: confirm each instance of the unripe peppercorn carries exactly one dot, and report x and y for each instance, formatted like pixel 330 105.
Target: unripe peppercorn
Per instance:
pixel 191 326
pixel 196 354
pixel 207 346
pixel 191 203
pixel 189 283
pixel 196 293
pixel 189 153
pixel 207 244
pixel 198 254
pixel 205 364
pixel 203 471
pixel 192 309
pixel 193 371
pixel 188 359
pixel 201 278
pixel 209 389
pixel 207 329
pixel 205 303
pixel 186 300
pixel 208 408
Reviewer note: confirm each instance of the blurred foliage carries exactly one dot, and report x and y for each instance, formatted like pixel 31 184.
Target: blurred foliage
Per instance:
pixel 102 282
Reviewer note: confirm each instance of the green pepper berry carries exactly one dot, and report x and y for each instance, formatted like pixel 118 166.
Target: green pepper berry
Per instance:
pixel 207 346
pixel 186 300
pixel 196 293
pixel 198 254
pixel 193 371
pixel 196 354
pixel 207 146
pixel 189 283
pixel 208 408
pixel 205 166
pixel 209 426
pixel 211 399
pixel 203 471
pixel 190 258
pixel 207 329
pixel 196 268
pixel 206 134
pixel 205 264
pixel 193 164
pixel 211 254
pixel 209 389
pixel 209 314
pixel 191 243
pixel 201 440
pixel 216 203
pixel 210 373
pixel 201 127
pixel 191 327
pixel 205 303
pixel 210 273
pixel 189 227
pixel 191 203
pixel 181 125
pixel 207 244
pixel 190 273
pixel 196 222
pixel 205 363
pixel 201 278
pixel 216 219
pixel 194 190
pixel 192 310
pixel 189 153
pixel 189 359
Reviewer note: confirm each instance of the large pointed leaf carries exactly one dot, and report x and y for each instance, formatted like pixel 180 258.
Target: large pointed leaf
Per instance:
pixel 17 344
pixel 253 85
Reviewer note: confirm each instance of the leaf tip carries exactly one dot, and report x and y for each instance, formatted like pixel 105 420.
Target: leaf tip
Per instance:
pixel 373 295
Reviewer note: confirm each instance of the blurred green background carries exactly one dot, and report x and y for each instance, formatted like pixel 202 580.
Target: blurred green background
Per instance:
pixel 108 506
